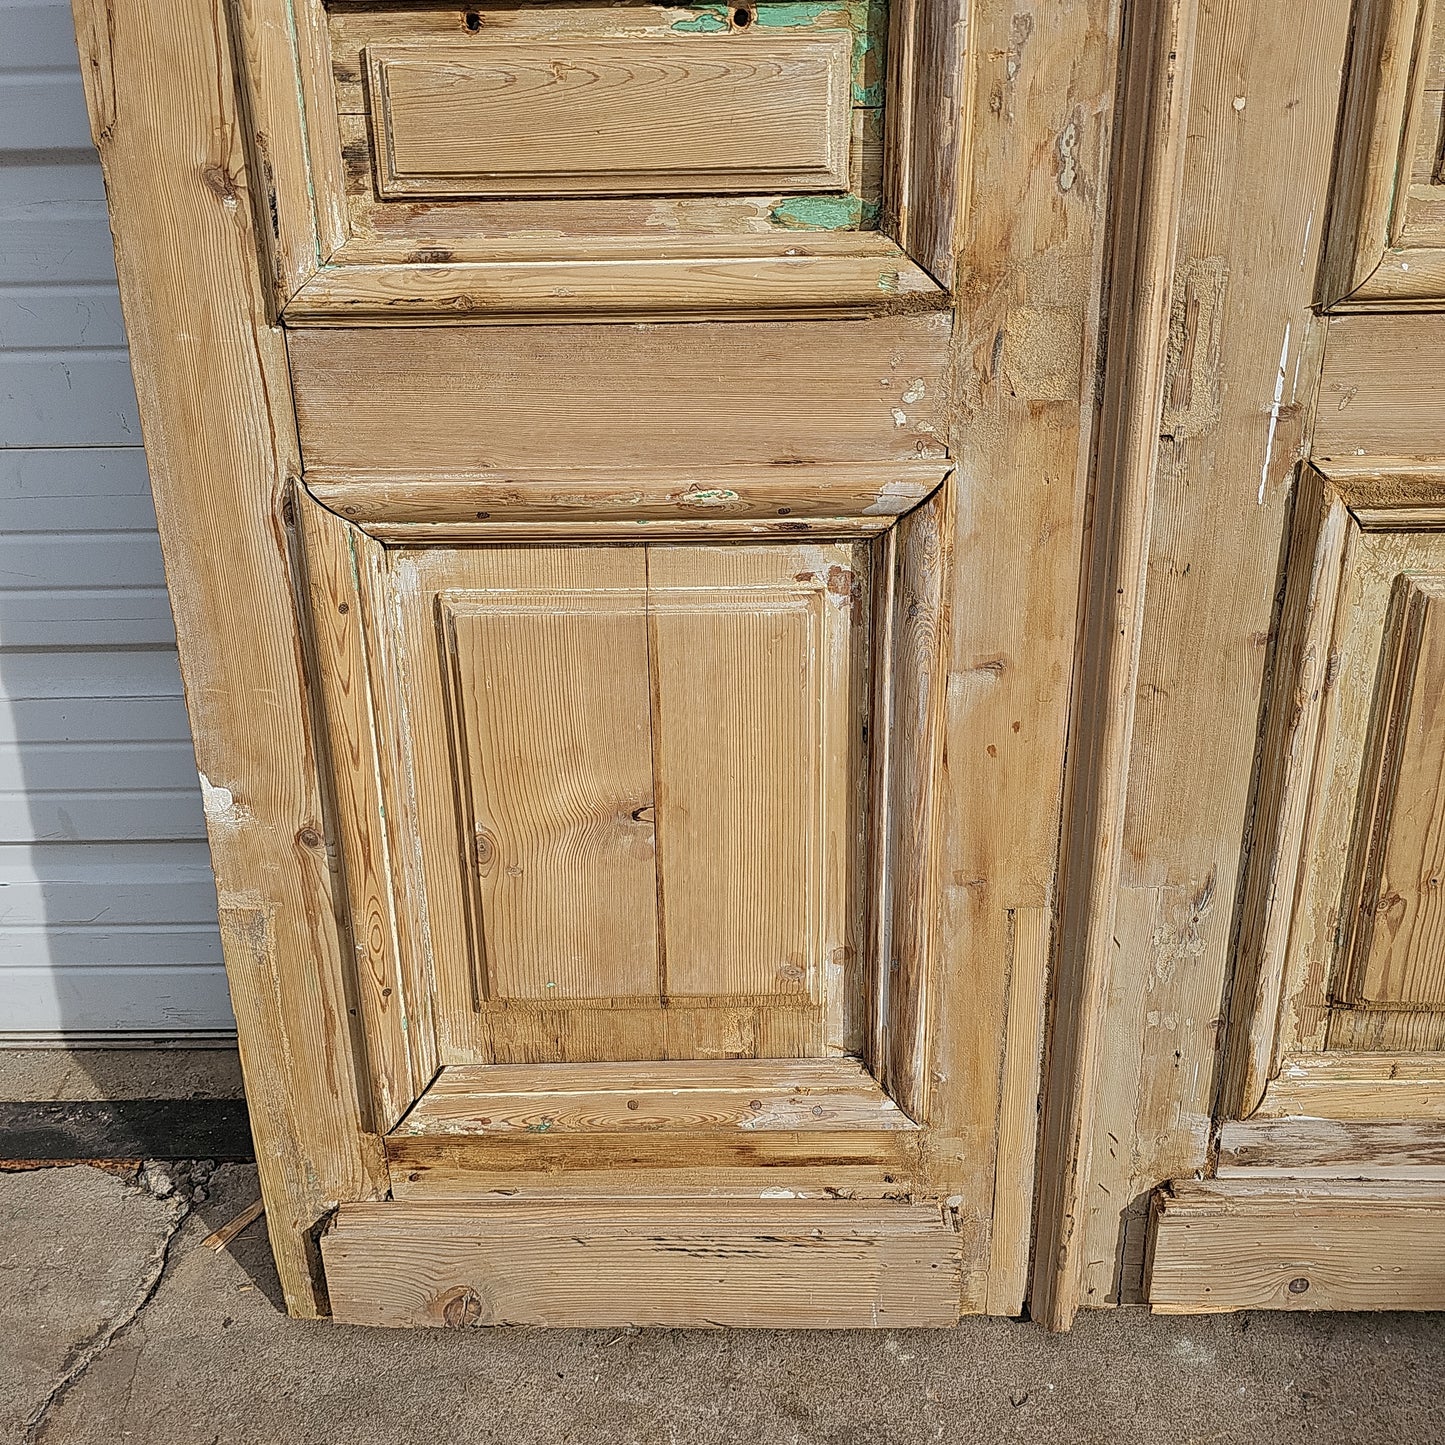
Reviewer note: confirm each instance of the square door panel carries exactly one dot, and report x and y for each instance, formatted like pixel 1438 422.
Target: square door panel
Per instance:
pixel 626 789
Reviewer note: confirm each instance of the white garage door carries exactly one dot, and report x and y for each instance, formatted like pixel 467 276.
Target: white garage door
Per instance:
pixel 107 905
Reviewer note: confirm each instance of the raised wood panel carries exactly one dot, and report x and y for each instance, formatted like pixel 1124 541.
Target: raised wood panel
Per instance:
pixel 1398 945
pixel 592 117
pixel 1386 243
pixel 433 400
pixel 675 1263
pixel 1220 1245
pixel 550 690
pixel 1338 953
pixel 626 806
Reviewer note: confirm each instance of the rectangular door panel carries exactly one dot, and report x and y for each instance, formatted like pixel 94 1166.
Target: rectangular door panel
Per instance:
pixel 628 790
pixel 550 690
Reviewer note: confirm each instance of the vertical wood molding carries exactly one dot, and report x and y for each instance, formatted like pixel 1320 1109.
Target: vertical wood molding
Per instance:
pixel 215 407
pixel 1151 145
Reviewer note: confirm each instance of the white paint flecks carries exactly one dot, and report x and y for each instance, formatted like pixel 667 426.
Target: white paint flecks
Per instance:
pixel 220 804
pixel 916 391
pixel 1274 412
pixel 900 418
pixel 777 1194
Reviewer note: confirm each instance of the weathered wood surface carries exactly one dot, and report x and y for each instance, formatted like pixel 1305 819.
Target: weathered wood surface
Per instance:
pixel 1332 1149
pixel 762 1096
pixel 749 113
pixel 477 504
pixel 1242 372
pixel 1031 238
pixel 1371 402
pixel 1231 1245
pixel 430 399
pixel 1155 106
pixel 163 107
pixel 673 1263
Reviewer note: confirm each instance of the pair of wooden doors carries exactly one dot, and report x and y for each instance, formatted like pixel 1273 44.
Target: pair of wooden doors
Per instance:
pixel 649 524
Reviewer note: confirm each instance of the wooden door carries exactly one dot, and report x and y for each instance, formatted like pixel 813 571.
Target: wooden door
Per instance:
pixel 622 473
pixel 1248 1108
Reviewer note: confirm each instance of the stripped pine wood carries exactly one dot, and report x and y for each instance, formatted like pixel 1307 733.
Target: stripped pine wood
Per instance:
pixel 834 1265
pixel 756 1097
pixel 917 623
pixel 623 896
pixel 1341 1085
pixel 336 620
pixel 559 802
pixel 1242 375
pixel 164 114
pixel 1033 203
pixel 593 117
pixel 1399 949
pixel 430 399
pixel 1371 405
pixel 1231 1245
pixel 744 678
pixel 1286 790
pixel 379 502
pixel 1156 95
pixel 1332 1149
pixel 784 285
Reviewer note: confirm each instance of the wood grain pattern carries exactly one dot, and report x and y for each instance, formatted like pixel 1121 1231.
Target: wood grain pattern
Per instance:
pixel 1347 1086
pixel 1332 1149
pixel 751 719
pixel 1230 1245
pixel 660 760
pixel 735 112
pixel 339 656
pixel 1286 789
pixel 672 1263
pixel 753 1096
pixel 1156 110
pixel 1370 404
pixel 792 282
pixel 429 399
pixel 1242 375
pixel 486 503
pixel 1398 948
pixel 550 692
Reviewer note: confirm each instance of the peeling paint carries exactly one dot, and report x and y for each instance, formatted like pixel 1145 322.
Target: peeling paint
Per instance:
pixel 220 804
pixel 825 213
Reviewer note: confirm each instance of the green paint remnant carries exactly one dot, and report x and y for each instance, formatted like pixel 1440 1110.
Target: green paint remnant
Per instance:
pixel 824 213
pixel 540 1128
pixel 784 13
pixel 888 281
pixel 710 18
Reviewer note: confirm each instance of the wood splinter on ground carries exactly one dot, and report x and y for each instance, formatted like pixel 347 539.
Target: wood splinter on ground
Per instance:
pixel 220 1238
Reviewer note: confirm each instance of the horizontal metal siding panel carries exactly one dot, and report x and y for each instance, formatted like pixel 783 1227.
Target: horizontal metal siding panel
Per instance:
pixel 107 901
pixel 116 999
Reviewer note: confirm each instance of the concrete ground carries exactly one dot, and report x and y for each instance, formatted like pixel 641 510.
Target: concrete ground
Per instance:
pixel 118 1325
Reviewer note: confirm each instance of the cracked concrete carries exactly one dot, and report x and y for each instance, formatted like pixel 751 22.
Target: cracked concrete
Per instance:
pixel 207 1358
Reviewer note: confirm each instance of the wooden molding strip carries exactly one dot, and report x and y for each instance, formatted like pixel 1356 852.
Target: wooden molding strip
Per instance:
pixel 1148 175
pixel 1231 1244
pixel 1332 1149
pixel 562 502
pixel 775 1264
pixel 1341 1085
pixel 746 1095
pixel 689 287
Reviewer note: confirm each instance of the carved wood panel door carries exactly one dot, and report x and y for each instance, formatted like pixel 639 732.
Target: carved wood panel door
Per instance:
pixel 622 475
